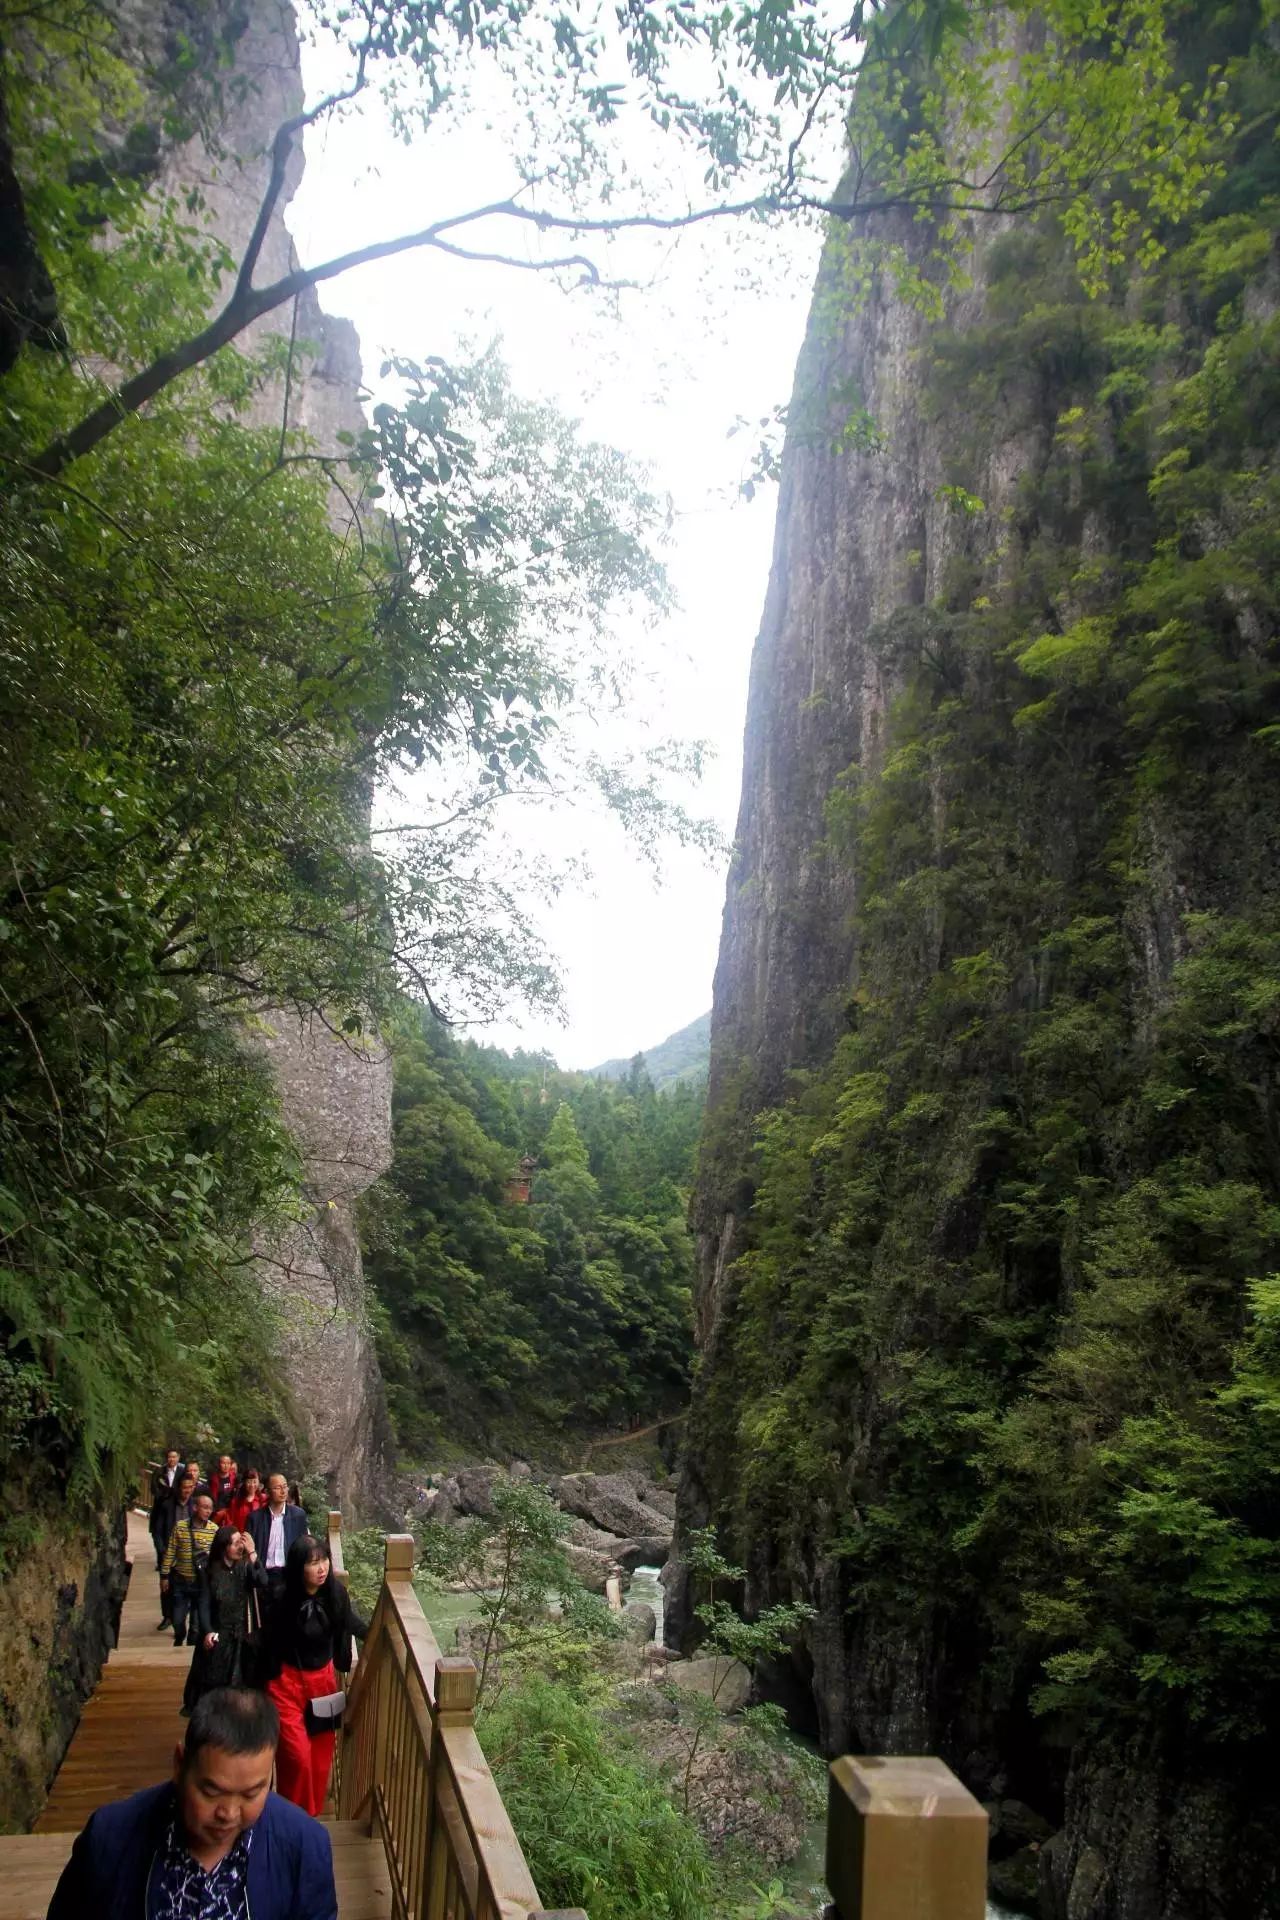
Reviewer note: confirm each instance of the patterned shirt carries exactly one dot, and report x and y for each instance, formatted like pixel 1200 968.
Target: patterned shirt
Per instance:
pixel 186 1892
pixel 185 1542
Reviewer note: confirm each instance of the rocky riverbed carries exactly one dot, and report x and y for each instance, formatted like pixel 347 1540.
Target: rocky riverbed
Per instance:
pixel 619 1521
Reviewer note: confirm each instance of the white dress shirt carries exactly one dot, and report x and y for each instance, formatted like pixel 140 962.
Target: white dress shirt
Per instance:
pixel 275 1544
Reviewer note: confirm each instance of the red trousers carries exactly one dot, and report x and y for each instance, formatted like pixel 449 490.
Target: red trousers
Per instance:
pixel 304 1760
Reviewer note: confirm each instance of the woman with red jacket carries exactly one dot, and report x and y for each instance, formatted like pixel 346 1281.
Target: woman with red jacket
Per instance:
pixel 245 1498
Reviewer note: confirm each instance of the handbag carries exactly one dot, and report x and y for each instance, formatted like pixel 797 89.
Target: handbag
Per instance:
pixel 324 1713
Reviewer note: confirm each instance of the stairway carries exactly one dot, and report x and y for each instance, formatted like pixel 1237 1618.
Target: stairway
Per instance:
pixel 125 1741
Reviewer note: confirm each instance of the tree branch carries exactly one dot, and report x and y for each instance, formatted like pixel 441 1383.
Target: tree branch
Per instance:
pixel 950 194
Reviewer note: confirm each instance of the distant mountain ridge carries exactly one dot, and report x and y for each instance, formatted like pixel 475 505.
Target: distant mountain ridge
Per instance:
pixel 681 1056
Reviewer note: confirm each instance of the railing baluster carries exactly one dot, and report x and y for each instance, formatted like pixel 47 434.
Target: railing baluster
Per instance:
pixel 447 1859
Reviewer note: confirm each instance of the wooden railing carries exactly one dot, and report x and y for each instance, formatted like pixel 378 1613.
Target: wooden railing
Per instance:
pixel 410 1765
pixel 903 1835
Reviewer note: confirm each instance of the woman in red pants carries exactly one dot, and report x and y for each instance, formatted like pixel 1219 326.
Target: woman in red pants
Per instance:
pixel 306 1644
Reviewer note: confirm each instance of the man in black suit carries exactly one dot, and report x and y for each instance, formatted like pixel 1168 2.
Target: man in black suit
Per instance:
pixel 273 1530
pixel 166 1478
pixel 165 1482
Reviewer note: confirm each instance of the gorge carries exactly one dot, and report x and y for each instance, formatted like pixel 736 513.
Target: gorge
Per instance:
pixel 987 1209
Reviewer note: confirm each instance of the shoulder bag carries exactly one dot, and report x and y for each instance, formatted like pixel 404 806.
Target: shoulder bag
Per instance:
pixel 324 1713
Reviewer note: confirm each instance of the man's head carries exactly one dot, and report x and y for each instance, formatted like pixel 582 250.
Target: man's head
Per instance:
pixel 193 1468
pixel 277 1489
pixel 186 1486
pixel 222 1770
pixel 171 1456
pixel 224 1465
pixel 202 1508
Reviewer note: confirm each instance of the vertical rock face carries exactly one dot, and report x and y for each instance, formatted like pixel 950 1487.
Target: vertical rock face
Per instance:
pixel 336 1099
pixel 886 564
pixel 335 1094
pixel 62 1596
pixel 857 536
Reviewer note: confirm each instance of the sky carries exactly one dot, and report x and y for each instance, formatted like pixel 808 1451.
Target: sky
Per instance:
pixel 662 371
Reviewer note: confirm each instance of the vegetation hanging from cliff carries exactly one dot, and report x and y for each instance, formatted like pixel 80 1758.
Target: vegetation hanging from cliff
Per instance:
pixel 1005 1345
pixel 945 111
pixel 511 1311
pixel 213 648
pixel 204 681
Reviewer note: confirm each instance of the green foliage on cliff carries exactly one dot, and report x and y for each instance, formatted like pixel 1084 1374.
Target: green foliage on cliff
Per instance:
pixel 503 1317
pixel 212 647
pixel 1004 1346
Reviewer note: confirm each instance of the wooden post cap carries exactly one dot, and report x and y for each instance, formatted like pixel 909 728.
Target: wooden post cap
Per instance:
pixel 456 1684
pixel 397 1556
pixel 905 1841
pixel 335 1520
pixel 559 1913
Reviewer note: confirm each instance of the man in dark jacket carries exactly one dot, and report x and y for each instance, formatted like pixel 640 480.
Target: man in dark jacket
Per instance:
pixel 166 1478
pixel 215 1842
pixel 168 1506
pixel 273 1530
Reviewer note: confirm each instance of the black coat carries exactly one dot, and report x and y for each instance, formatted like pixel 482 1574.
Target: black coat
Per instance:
pixel 277 1635
pixel 226 1604
pixel 165 1516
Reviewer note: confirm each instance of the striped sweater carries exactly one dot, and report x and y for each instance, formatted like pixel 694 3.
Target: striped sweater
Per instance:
pixel 185 1542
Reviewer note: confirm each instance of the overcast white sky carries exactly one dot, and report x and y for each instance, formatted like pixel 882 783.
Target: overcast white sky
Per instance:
pixel 714 338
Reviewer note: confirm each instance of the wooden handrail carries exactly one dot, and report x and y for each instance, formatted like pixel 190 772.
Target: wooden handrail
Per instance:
pixel 333 1536
pixel 409 1764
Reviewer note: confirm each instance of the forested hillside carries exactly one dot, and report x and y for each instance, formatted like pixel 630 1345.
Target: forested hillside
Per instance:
pixel 681 1056
pixel 527 1305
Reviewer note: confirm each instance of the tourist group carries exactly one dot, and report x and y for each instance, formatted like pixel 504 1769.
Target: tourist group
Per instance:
pixel 246 1585
pixel 248 1588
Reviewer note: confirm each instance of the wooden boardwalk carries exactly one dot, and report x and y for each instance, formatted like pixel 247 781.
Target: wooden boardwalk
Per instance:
pixel 125 1741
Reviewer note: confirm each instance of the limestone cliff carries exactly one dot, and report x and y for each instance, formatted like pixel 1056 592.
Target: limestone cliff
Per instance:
pixel 980 889
pixel 335 1094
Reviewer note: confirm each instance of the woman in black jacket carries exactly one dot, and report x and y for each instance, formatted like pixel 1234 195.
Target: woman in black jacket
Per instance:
pixel 227 1614
pixel 307 1643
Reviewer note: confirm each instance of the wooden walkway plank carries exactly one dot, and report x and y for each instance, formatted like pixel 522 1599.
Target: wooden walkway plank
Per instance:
pixel 130 1726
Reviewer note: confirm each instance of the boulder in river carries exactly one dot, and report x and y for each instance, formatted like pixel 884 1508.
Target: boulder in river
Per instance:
pixel 639 1622
pixel 615 1502
pixel 725 1681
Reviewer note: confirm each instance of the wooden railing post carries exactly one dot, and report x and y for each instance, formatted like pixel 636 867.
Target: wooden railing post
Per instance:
pixel 397 1556
pixel 397 1565
pixel 333 1535
pixel 904 1836
pixel 457 1683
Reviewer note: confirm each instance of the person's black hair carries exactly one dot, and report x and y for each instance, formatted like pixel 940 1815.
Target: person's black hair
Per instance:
pixel 305 1549
pixel 218 1545
pixel 234 1719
